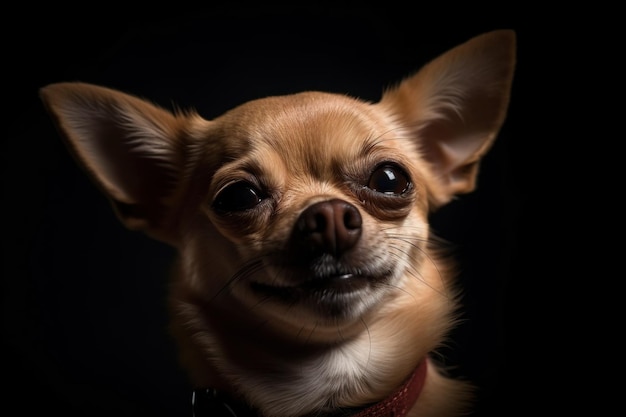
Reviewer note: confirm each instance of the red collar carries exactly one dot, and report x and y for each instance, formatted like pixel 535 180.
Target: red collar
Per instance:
pixel 399 402
pixel 209 402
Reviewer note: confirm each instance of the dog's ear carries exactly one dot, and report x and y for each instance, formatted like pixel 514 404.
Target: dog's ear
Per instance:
pixel 130 147
pixel 454 107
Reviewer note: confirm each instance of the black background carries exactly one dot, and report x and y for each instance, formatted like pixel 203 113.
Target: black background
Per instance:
pixel 84 317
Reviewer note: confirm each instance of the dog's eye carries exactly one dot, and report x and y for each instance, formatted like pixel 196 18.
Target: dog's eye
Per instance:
pixel 389 179
pixel 238 196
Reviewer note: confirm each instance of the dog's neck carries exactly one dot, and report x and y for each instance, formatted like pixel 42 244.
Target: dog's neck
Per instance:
pixel 211 402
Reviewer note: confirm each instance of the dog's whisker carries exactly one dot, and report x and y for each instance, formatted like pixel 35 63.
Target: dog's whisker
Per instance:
pixel 369 338
pixel 311 333
pixel 248 269
pixel 402 254
pixel 431 242
pixel 299 333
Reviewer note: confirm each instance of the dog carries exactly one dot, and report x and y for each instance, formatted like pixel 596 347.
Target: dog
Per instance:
pixel 308 282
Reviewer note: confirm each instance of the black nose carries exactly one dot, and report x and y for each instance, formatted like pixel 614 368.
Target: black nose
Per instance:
pixel 332 226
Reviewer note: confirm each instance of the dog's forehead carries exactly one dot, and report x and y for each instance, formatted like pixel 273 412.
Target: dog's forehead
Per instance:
pixel 309 127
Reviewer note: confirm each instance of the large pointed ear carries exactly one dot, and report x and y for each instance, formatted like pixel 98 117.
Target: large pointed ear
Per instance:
pixel 454 107
pixel 132 149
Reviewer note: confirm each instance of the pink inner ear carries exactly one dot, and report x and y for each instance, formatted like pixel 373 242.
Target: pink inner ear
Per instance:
pixel 129 146
pixel 455 145
pixel 123 161
pixel 452 142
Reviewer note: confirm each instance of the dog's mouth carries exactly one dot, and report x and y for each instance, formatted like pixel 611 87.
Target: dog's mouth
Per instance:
pixel 343 283
pixel 327 288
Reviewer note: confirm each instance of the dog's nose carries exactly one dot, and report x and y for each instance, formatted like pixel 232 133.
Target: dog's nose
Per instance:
pixel 332 226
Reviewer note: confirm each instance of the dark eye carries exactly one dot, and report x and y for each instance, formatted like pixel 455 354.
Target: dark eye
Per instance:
pixel 389 179
pixel 239 196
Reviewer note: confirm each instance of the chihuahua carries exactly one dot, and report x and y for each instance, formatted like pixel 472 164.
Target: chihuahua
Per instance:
pixel 307 282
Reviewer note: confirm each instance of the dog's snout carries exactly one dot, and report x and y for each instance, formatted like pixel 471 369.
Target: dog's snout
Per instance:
pixel 332 226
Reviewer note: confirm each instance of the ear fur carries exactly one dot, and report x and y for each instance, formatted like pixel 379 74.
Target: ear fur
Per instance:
pixel 130 147
pixel 454 106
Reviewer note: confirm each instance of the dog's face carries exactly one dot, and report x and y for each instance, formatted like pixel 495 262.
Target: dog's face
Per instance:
pixel 301 219
pixel 323 202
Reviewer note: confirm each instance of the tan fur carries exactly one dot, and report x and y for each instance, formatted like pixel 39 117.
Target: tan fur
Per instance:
pixel 167 173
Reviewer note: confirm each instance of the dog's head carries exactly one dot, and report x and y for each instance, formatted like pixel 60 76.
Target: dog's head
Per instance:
pixel 308 209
